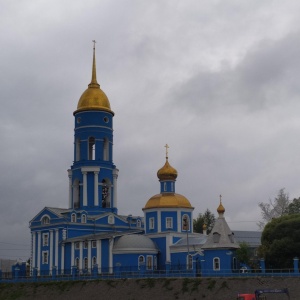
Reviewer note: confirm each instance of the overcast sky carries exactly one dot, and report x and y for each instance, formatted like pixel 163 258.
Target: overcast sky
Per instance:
pixel 216 80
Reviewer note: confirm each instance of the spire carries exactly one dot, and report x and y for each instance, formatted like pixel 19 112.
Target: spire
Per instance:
pixel 167 172
pixel 94 83
pixel 167 147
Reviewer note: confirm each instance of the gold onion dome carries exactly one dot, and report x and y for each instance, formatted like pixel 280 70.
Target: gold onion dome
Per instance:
pixel 221 208
pixel 167 200
pixel 93 98
pixel 167 172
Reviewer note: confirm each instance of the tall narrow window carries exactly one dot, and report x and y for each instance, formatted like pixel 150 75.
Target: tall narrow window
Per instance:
pixel 105 194
pixel 189 262
pixel 105 149
pixel 94 260
pixel 45 239
pixel 149 262
pixel 151 223
pixel 216 264
pixel 45 257
pixel 138 223
pixel 73 218
pixel 77 158
pixel 86 265
pixel 77 262
pixel 141 261
pixel 83 218
pixel 76 193
pixel 92 148
pixel 165 186
pixel 185 223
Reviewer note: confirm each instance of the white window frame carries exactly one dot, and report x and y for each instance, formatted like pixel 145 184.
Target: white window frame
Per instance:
pixel 216 264
pixel 73 218
pixel 45 257
pixel 76 262
pixel 94 260
pixel 138 223
pixel 45 239
pixel 77 245
pixel 169 222
pixel 85 263
pixel 45 220
pixel 189 262
pixel 188 222
pixel 151 223
pixel 94 244
pixel 83 218
pixel 149 265
pixel 111 219
pixel 141 260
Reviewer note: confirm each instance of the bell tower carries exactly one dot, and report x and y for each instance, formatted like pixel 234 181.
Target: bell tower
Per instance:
pixel 93 175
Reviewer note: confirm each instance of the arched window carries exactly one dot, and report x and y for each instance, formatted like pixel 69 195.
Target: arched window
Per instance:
pixel 149 262
pixel 73 218
pixel 92 149
pixel 138 223
pixel 141 261
pixel 76 193
pixel 94 260
pixel 45 220
pixel 185 222
pixel 189 262
pixel 77 145
pixel 77 262
pixel 216 264
pixel 111 219
pixel 105 149
pixel 83 218
pixel 105 194
pixel 86 263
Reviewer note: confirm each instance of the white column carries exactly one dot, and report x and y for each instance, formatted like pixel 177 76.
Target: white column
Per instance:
pixel 51 250
pixel 80 255
pixel 168 244
pixel 56 247
pixel 72 255
pixel 96 196
pixel 70 188
pixel 110 255
pixel 159 221
pixel 39 252
pixel 179 221
pixel 115 186
pixel 62 258
pixel 84 188
pixel 33 263
pixel 99 261
pixel 89 250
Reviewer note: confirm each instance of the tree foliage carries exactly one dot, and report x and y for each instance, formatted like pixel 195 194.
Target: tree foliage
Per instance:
pixel 274 208
pixel 280 241
pixel 294 207
pixel 243 253
pixel 207 218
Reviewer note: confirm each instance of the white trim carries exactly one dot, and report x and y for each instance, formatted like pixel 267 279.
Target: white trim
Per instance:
pixel 72 254
pixel 159 221
pixel 151 258
pixel 45 261
pixel 171 222
pixel 39 251
pixel 151 223
pixel 110 254
pixel 56 247
pixel 33 249
pixel 115 189
pixel 80 254
pixel 89 251
pixel 62 258
pixel 45 239
pixel 169 239
pixel 84 173
pixel 90 169
pixel 70 188
pixel 51 249
pixel 219 262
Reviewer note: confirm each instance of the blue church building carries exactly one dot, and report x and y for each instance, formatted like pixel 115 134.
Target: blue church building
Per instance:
pixel 91 236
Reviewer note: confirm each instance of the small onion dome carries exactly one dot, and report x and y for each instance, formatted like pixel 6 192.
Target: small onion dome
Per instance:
pixel 167 172
pixel 168 200
pixel 204 227
pixel 221 209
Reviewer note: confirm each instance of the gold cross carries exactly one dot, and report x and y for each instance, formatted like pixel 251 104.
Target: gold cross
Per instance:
pixel 167 150
pixel 220 198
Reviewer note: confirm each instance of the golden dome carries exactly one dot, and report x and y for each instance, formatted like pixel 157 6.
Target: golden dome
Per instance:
pixel 167 172
pixel 168 200
pixel 221 208
pixel 93 98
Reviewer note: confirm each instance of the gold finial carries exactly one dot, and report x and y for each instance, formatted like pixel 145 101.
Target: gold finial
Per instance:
pixel 220 199
pixel 167 147
pixel 221 208
pixel 94 82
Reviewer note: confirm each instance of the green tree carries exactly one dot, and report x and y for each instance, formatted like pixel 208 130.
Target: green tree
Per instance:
pixel 274 208
pixel 243 253
pixel 208 218
pixel 280 241
pixel 294 207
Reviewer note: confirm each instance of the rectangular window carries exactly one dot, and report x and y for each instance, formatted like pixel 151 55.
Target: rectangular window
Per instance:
pixel 94 244
pixel 151 223
pixel 77 246
pixel 85 244
pixel 45 239
pixel 45 257
pixel 169 222
pixel 149 262
pixel 216 264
